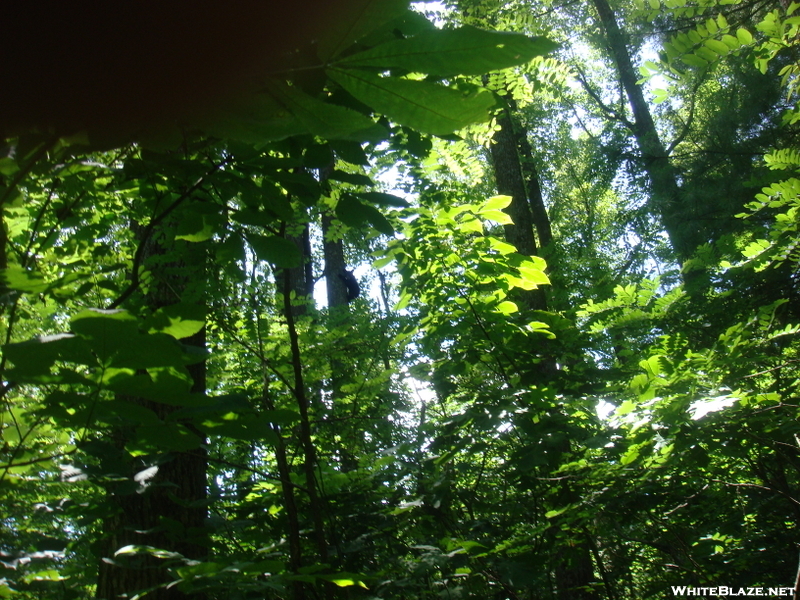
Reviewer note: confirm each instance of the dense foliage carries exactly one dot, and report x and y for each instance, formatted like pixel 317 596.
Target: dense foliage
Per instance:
pixel 567 367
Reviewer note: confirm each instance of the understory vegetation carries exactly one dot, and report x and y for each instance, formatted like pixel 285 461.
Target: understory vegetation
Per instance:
pixel 492 299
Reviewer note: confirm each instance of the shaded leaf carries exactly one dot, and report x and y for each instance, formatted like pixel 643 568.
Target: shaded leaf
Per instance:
pixel 326 120
pixel 383 199
pixel 422 105
pixel 463 51
pixel 354 20
pixel 275 250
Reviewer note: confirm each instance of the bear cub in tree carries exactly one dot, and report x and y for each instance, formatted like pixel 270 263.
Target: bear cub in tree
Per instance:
pixel 350 282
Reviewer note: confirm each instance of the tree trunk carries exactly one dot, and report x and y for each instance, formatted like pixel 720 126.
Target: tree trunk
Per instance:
pixel 301 277
pixel 334 265
pixel 541 220
pixel 168 511
pixel 665 199
pixel 510 182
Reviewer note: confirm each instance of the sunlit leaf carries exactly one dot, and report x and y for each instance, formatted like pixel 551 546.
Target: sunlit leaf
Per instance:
pixel 507 307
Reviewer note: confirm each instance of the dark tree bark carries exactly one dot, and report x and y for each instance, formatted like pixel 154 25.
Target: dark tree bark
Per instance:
pixel 541 220
pixel 309 450
pixel 333 251
pixel 168 511
pixel 574 573
pixel 510 181
pixel 300 278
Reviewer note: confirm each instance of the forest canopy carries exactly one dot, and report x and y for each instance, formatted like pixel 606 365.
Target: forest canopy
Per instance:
pixel 366 299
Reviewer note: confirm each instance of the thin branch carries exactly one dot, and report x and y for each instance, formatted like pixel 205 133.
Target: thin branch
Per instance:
pixel 761 487
pixel 581 77
pixel 259 472
pixel 148 231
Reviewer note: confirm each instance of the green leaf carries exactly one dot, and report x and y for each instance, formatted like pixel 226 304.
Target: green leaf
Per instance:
pixel 534 276
pixel 353 213
pixel 350 211
pixel 472 225
pixel 383 199
pixel 35 357
pixel 706 54
pixel 731 41
pixel 694 61
pixel 351 152
pixel 246 427
pixel 654 365
pixel 757 247
pixel 344 580
pixel 200 223
pixel 275 250
pixel 718 47
pixel 351 178
pixel 382 262
pixel 501 247
pixel 23 280
pixel 495 203
pixel 318 156
pixel 744 36
pixel 353 20
pixel 254 119
pixel 178 320
pixel 630 456
pixel 498 216
pixel 114 338
pixel 327 120
pixel 118 411
pixel 378 221
pixel 164 436
pixel 464 51
pixel 425 106
pixel 660 95
pixel 8 166
pixel 507 307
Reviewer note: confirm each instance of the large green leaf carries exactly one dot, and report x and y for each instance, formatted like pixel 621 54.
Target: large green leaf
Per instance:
pixel 275 250
pixel 122 410
pixel 165 385
pixel 383 198
pixel 114 337
pixel 23 280
pixel 354 20
pixel 463 51
pixel 199 223
pixel 355 214
pixel 164 436
pixel 422 105
pixel 178 320
pixel 35 357
pixel 254 119
pixel 327 120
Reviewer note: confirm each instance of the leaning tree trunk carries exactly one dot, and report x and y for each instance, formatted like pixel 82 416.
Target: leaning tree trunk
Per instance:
pixel 664 187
